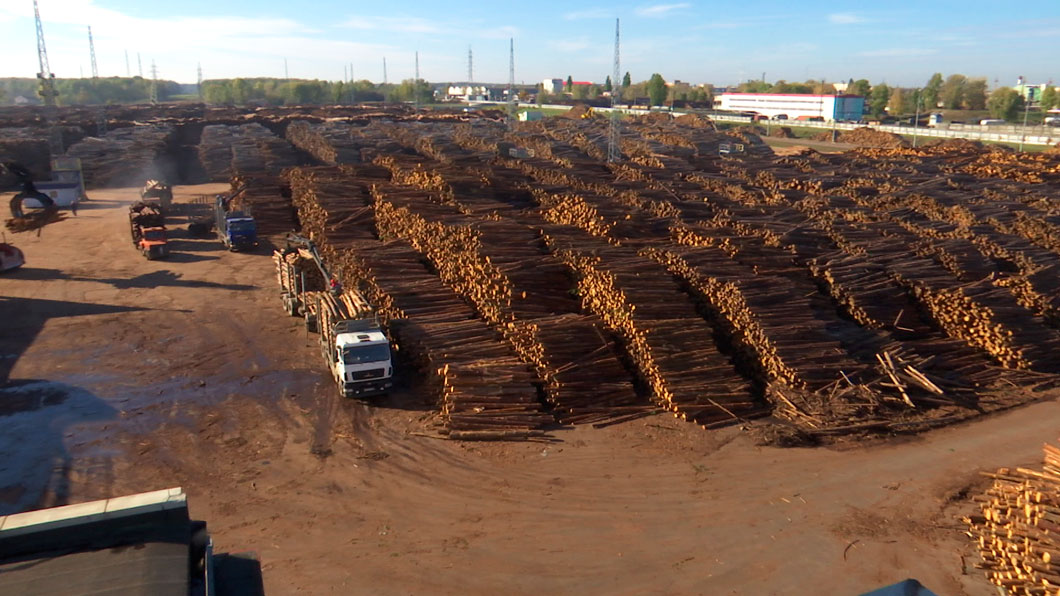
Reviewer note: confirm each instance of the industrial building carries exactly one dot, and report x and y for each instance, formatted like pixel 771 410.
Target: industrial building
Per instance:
pixel 794 106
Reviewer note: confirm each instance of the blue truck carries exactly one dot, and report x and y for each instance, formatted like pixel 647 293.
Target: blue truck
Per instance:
pixel 235 228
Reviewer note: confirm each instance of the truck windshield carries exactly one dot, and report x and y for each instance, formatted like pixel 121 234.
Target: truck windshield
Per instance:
pixel 241 226
pixel 155 235
pixel 362 354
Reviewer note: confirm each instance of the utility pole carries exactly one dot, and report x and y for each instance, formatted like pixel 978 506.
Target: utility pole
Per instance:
pixel 511 82
pixel 128 71
pixel 92 53
pixel 614 149
pixel 154 83
pixel 916 117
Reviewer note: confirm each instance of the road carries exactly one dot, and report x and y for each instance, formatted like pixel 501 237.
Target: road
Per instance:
pixel 126 375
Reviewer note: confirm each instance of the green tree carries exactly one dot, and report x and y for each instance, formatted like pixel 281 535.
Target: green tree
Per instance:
pixel 859 87
pixel 626 80
pixel 931 91
pixel 878 98
pixel 952 92
pixel 975 94
pixel 607 84
pixel 1005 103
pixel 581 91
pixel 657 90
pixel 896 104
pixel 570 84
pixel 1049 98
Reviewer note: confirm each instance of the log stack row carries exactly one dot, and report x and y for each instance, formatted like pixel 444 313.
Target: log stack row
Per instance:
pixel 1016 528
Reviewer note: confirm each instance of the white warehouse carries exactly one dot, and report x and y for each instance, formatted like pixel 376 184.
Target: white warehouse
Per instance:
pixel 794 106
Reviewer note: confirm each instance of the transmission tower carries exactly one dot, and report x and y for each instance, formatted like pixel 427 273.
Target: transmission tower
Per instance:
pixel 470 70
pixel 92 53
pixel 198 84
pixel 154 83
pixel 614 152
pixel 139 65
pixel 511 82
pixel 128 71
pixel 286 76
pixel 416 83
pixel 384 70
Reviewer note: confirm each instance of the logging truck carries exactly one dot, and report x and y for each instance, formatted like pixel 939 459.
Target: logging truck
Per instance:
pixel 148 230
pixel 352 342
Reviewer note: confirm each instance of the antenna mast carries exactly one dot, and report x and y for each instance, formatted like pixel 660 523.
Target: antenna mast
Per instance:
pixel 614 152
pixel 92 53
pixel 511 82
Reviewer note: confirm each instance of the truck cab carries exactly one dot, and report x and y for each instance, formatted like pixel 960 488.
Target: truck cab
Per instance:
pixel 240 231
pixel 361 358
pixel 153 243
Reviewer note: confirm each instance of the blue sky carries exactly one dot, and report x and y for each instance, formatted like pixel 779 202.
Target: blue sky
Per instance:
pixel 900 42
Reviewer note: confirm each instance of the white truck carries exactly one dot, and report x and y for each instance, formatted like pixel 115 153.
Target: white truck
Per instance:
pixel 352 342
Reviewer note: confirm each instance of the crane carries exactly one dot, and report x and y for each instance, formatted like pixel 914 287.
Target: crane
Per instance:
pixel 47 78
pixel 47 91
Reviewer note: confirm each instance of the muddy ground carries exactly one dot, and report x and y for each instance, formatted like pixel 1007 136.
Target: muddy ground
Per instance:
pixel 126 375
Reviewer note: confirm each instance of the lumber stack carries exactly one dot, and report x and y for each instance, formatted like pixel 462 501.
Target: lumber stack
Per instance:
pixel 1017 528
pixel 268 200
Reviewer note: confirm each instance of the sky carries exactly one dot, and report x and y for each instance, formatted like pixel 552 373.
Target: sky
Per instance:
pixel 900 42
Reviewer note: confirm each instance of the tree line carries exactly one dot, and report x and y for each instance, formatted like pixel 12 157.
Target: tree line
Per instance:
pixel 276 92
pixel 103 90
pixel 655 89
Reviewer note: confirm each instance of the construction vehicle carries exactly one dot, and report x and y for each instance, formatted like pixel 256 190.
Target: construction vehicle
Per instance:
pixel 235 228
pixel 147 225
pixel 145 543
pixel 10 257
pixel 352 342
pixel 156 189
pixel 28 191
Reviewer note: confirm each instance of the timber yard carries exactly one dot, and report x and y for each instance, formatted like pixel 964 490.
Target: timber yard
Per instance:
pixel 664 374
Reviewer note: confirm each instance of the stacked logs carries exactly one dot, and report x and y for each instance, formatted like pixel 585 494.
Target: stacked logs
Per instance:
pixel 1017 528
pixel 669 343
pixel 268 200
pixel 329 142
pixel 244 149
pixel 124 156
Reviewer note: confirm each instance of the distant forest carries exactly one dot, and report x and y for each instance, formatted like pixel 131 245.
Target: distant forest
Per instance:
pixel 259 91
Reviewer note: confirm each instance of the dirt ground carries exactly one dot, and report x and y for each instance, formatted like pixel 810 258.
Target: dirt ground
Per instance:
pixel 128 375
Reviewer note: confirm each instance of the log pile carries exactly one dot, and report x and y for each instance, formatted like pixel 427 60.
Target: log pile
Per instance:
pixel 1017 528
pixel 268 200
pixel 246 149
pixel 329 142
pixel 125 156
